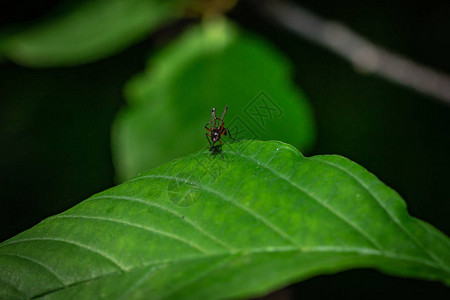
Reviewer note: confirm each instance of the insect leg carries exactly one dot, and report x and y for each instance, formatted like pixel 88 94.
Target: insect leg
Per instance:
pixel 229 132
pixel 223 114
pixel 206 126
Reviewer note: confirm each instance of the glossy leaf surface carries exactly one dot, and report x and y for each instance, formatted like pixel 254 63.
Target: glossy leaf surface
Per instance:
pixel 201 227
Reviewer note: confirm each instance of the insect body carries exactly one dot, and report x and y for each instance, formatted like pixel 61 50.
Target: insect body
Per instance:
pixel 216 129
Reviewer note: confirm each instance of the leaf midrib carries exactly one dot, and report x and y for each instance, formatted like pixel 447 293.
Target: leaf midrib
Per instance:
pixel 263 250
pixel 248 252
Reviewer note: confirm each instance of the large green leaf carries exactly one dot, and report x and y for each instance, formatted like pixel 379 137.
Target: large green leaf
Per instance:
pixel 90 31
pixel 201 227
pixel 212 64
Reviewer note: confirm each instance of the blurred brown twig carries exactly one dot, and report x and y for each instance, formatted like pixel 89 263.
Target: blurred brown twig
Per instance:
pixel 364 55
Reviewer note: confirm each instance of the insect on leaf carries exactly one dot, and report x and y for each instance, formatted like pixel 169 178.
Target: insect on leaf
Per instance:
pixel 211 65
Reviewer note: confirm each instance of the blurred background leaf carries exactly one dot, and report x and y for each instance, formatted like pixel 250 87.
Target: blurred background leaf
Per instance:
pixel 88 31
pixel 211 65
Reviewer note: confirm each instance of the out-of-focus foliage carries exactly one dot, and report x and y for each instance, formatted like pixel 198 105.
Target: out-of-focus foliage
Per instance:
pixel 90 31
pixel 211 65
pixel 204 228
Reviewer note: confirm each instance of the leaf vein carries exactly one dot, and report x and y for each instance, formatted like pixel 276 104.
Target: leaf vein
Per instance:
pixel 226 198
pixel 396 221
pixel 323 204
pixel 152 230
pixel 36 262
pixel 306 250
pixel 198 277
pixel 79 245
pixel 166 209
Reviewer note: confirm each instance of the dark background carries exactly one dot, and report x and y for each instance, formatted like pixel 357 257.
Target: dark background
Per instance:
pixel 55 123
